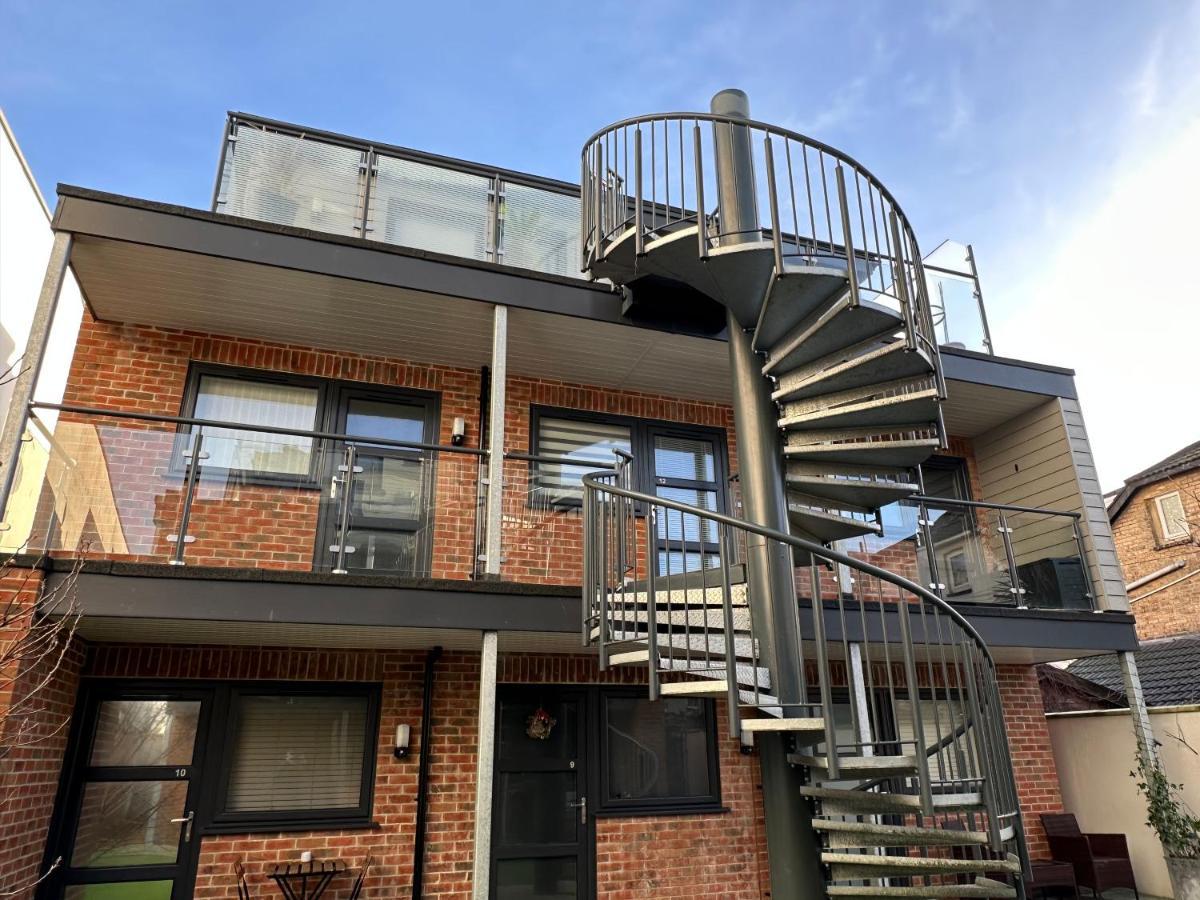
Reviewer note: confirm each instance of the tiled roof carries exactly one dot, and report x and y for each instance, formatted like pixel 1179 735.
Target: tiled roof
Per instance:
pixel 1180 461
pixel 1169 669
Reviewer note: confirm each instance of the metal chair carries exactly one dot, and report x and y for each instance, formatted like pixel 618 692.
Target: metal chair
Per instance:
pixel 243 888
pixel 363 872
pixel 1101 861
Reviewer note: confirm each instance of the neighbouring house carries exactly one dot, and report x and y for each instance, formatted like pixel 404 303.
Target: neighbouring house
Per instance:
pixel 1156 524
pixel 674 533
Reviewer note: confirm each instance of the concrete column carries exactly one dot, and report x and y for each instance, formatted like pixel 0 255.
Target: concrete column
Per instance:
pixel 1142 731
pixel 494 508
pixel 485 763
pixel 31 363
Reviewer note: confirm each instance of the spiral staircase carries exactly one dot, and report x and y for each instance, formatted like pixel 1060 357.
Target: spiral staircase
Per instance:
pixel 912 795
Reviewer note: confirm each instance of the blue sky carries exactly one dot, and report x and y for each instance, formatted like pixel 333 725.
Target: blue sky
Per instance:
pixel 1050 134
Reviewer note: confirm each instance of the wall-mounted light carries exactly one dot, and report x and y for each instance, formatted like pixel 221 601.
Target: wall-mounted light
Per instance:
pixel 459 431
pixel 403 736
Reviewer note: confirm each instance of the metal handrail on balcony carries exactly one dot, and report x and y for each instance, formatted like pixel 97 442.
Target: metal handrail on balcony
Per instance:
pixel 956 299
pixel 1021 552
pixel 812 203
pixel 282 173
pixel 134 480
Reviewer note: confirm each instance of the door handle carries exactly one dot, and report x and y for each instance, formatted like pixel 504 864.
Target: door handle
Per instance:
pixel 581 805
pixel 186 822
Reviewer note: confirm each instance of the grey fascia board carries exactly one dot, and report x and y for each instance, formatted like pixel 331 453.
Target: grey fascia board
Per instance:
pixel 1013 374
pixel 209 600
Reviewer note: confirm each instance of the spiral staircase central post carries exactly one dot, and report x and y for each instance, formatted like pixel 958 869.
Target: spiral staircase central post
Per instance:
pixel 792 844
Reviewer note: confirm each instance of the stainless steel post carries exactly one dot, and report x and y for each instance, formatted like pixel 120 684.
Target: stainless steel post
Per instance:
pixel 791 842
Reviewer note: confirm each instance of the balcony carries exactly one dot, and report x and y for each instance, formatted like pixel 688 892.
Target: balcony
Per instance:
pixel 956 299
pixel 984 553
pixel 279 173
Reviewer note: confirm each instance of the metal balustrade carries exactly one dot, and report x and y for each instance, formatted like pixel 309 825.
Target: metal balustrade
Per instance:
pixel 279 173
pixel 178 490
pixel 956 298
pixel 817 207
pixel 662 589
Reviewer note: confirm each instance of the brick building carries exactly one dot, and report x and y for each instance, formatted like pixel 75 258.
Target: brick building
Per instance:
pixel 317 491
pixel 1155 521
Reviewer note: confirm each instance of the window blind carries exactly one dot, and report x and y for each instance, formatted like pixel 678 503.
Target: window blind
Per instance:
pixel 298 753
pixel 256 403
pixel 586 442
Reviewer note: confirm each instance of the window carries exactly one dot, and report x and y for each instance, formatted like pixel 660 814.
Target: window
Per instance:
pixel 252 400
pixel 298 756
pixel 658 756
pixel 588 440
pixel 1172 522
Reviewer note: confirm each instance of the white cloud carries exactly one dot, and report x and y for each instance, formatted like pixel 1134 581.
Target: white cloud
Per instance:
pixel 1119 299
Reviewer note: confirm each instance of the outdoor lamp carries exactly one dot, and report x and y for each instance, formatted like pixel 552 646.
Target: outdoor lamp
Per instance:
pixel 403 734
pixel 459 430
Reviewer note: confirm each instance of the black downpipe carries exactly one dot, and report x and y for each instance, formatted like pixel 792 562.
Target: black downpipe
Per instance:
pixel 423 773
pixel 485 405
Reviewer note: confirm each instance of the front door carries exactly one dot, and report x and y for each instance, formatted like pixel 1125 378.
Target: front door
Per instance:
pixel 126 823
pixel 541 824
pixel 377 502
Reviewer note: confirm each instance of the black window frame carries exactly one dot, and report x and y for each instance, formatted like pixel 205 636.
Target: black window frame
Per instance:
pixel 187 409
pixel 606 805
pixel 218 820
pixel 641 433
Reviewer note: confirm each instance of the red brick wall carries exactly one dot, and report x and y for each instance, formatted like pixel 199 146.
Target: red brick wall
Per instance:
pixel 37 696
pixel 1170 609
pixel 1032 754
pixel 144 369
pixel 636 856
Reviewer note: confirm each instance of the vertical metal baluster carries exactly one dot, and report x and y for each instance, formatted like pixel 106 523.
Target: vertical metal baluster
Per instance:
pixel 866 653
pixel 653 179
pixel 589 537
pixel 598 206
pixel 682 188
pixel 189 495
pixel 914 700
pixel 585 193
pixel 638 215
pixel 823 673
pixel 887 662
pixel 906 310
pixel 862 224
pixel 847 236
pixel 1014 576
pixel 773 201
pixel 987 786
pixel 825 193
pixel 732 696
pixel 875 233
pixel 931 674
pixel 1089 588
pixel 651 605
pixel 787 152
pixel 812 215
pixel 960 761
pixel 701 214
pixel 349 465
pixel 855 724
pixel 666 173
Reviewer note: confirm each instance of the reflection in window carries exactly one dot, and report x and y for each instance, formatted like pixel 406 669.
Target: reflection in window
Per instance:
pixel 249 402
pixel 660 752
pixel 587 442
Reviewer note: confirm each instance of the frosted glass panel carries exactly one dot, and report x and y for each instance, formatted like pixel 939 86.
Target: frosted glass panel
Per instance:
pixel 540 230
pixel 293 181
pixel 429 208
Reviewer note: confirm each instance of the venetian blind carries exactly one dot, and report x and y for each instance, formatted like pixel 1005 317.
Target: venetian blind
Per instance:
pixel 294 753
pixel 586 442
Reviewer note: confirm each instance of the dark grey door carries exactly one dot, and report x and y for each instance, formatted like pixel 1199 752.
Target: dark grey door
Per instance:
pixel 541 823
pixel 388 507
pixel 126 824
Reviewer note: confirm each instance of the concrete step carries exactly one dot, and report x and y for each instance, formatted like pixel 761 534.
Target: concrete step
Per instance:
pixel 894 405
pixel 907 452
pixel 865 486
pixel 842 802
pixel 984 888
pixel 844 866
pixel 863 364
pixel 858 766
pixel 829 330
pixel 846 835
pixel 797 293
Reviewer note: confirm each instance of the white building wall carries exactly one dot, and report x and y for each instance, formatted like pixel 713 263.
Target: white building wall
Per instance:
pixel 25 240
